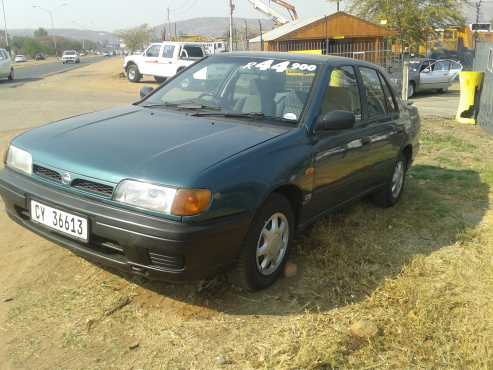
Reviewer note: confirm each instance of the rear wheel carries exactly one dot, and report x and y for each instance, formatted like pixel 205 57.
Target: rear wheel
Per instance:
pixel 266 247
pixel 12 75
pixel 133 73
pixel 411 89
pixel 392 191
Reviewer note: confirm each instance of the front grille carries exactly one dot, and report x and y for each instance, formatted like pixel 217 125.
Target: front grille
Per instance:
pixel 46 173
pixel 93 187
pixel 169 262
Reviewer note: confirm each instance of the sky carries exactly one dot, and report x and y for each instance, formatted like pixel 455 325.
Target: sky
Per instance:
pixel 111 15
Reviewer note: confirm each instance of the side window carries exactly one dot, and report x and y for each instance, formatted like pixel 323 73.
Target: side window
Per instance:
pixel 389 96
pixel 153 51
pixel 168 51
pixel 443 66
pixel 375 96
pixel 342 92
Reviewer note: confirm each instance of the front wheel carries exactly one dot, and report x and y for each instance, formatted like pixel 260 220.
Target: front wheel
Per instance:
pixel 392 191
pixel 12 75
pixel 133 73
pixel 266 246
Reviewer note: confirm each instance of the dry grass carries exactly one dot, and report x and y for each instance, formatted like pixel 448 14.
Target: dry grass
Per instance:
pixel 422 272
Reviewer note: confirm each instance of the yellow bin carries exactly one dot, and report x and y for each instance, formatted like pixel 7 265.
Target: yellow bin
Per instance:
pixel 470 83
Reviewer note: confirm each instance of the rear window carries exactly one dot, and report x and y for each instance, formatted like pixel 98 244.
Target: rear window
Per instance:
pixel 189 51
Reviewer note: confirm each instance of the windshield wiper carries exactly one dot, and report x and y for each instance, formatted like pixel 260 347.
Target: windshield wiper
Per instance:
pixel 185 106
pixel 252 115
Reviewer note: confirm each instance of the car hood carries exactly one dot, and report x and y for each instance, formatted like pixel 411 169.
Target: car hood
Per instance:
pixel 153 145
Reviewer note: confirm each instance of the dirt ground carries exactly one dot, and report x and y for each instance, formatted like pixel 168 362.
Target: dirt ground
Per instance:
pixel 421 272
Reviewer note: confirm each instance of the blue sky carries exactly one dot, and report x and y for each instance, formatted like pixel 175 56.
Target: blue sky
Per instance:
pixel 110 15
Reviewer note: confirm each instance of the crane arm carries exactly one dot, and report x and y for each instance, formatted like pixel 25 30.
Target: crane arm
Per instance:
pixel 290 8
pixel 264 8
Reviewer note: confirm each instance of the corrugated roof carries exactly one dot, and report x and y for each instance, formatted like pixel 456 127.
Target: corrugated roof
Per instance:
pixel 287 28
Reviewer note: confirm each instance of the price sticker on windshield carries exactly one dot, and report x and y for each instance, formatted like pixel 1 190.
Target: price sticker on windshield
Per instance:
pixel 270 64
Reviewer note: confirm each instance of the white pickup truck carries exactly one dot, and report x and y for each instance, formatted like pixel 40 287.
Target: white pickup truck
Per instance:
pixel 162 60
pixel 6 68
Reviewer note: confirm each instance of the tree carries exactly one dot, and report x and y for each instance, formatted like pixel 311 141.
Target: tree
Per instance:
pixel 40 32
pixel 413 20
pixel 137 38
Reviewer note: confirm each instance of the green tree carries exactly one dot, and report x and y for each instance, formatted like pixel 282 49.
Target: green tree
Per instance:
pixel 40 32
pixel 137 38
pixel 413 20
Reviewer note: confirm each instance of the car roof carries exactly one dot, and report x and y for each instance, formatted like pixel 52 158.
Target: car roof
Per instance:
pixel 306 58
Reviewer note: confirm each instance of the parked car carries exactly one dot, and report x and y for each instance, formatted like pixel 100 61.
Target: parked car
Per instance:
pixel 39 56
pixel 216 169
pixel 70 56
pixel 430 74
pixel 6 67
pixel 162 60
pixel 20 58
pixel 107 54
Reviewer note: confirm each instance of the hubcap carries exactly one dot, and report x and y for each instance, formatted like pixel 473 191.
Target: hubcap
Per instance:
pixel 397 179
pixel 131 74
pixel 272 244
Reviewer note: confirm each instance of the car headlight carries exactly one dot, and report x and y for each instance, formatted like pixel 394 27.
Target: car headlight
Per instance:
pixel 19 160
pixel 177 202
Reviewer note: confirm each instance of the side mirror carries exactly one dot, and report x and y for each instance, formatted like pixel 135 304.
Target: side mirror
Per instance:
pixel 146 90
pixel 337 120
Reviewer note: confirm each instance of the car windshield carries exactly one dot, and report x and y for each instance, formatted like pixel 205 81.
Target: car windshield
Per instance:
pixel 249 87
pixel 69 53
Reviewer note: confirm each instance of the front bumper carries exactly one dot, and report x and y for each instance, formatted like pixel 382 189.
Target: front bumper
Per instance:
pixel 129 241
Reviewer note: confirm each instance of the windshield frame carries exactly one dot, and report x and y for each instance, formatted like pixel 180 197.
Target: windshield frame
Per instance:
pixel 300 122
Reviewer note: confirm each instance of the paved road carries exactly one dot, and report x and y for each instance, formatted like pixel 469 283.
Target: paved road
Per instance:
pixel 36 72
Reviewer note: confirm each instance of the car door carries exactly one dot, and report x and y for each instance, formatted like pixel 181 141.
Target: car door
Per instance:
pixel 165 61
pixel 340 156
pixel 4 64
pixel 381 121
pixel 150 60
pixel 430 78
pixel 442 71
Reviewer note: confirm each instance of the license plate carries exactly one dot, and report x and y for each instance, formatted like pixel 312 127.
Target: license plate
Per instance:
pixel 63 222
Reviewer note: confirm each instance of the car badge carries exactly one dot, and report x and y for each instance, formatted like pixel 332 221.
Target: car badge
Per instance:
pixel 66 178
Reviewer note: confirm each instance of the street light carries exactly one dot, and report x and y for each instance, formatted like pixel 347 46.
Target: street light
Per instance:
pixel 50 13
pixel 5 26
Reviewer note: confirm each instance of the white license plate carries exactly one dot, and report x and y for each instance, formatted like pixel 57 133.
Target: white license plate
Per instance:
pixel 61 221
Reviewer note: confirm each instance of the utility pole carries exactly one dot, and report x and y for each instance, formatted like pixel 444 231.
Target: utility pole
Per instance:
pixel 261 35
pixel 5 27
pixel 169 24
pixel 231 11
pixel 478 18
pixel 246 35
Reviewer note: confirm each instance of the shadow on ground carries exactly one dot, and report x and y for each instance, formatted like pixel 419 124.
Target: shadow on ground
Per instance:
pixel 344 257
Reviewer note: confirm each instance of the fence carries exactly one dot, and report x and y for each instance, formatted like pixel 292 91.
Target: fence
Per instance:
pixel 483 62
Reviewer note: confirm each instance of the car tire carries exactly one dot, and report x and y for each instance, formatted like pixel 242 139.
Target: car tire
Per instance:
pixel 443 91
pixel 160 79
pixel 392 191
pixel 411 90
pixel 133 73
pixel 252 272
pixel 11 75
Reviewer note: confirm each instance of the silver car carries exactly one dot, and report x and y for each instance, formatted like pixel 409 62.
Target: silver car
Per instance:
pixel 431 74
pixel 6 68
